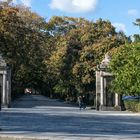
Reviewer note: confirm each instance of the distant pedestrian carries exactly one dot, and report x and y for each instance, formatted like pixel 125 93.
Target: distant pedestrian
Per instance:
pixel 80 102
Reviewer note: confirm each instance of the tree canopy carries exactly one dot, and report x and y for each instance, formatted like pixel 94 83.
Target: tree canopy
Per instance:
pixel 59 56
pixel 22 36
pixel 77 52
pixel 125 66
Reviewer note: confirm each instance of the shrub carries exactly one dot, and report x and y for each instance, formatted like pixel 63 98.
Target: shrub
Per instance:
pixel 132 105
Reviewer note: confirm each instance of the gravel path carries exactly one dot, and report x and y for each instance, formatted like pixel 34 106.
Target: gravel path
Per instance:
pixel 37 117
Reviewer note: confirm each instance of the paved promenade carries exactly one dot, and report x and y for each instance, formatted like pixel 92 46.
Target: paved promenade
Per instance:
pixel 37 117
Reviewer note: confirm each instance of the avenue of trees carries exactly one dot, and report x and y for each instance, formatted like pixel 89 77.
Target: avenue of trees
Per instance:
pixel 59 57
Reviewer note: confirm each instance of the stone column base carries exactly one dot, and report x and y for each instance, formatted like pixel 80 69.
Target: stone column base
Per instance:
pixel 118 108
pixel 4 106
pixel 109 108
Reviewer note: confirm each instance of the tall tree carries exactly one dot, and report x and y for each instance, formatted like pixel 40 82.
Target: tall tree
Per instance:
pixel 22 36
pixel 137 36
pixel 78 51
pixel 125 67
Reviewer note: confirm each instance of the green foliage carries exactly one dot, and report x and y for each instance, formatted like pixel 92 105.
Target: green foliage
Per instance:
pixel 137 36
pixel 132 105
pixel 78 50
pixel 59 56
pixel 125 66
pixel 22 37
pixel 137 22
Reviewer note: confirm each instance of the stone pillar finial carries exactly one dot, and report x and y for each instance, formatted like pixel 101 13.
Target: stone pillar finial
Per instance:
pixel 106 60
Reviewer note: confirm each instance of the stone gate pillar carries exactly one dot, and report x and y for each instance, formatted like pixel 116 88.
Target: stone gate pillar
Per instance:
pixel 104 99
pixel 4 89
pixel 5 83
pixel 102 91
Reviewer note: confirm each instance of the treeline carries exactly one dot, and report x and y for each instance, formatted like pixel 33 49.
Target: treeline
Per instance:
pixel 22 40
pixel 57 58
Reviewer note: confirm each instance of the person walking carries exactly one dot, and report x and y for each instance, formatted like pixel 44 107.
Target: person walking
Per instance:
pixel 80 102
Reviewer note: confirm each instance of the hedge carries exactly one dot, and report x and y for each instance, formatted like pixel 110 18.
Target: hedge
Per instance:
pixel 132 105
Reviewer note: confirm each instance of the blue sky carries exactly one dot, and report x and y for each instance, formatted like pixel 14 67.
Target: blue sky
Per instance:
pixel 121 13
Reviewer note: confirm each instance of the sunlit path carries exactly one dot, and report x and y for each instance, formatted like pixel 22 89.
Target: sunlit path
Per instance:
pixel 39 117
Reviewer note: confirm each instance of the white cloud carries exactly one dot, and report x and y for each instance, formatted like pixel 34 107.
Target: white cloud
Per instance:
pixel 120 27
pixel 26 2
pixel 15 1
pixel 3 0
pixel 133 12
pixel 74 6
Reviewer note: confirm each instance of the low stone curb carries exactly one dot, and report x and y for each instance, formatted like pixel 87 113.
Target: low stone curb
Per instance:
pixel 18 138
